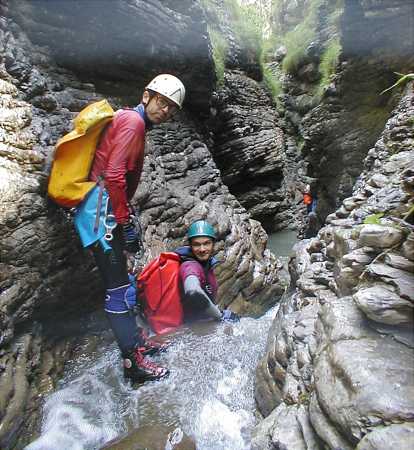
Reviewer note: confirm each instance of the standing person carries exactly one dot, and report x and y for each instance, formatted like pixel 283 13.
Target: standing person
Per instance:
pixel 307 198
pixel 117 166
pixel 197 278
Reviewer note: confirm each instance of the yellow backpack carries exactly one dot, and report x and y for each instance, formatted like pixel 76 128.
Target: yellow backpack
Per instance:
pixel 74 154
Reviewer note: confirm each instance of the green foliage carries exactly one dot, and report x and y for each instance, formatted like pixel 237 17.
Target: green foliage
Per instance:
pixel 409 216
pixel 373 219
pixel 247 25
pixel 248 28
pixel 219 45
pixel 403 79
pixel 329 61
pixel 218 41
pixel 298 40
pixel 272 82
pixel 269 45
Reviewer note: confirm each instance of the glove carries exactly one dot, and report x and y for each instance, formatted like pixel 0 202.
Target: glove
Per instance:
pixel 132 241
pixel 229 316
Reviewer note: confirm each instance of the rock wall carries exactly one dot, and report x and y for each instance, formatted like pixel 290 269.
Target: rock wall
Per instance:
pixel 332 126
pixel 248 141
pixel 250 149
pixel 320 130
pixel 339 372
pixel 46 76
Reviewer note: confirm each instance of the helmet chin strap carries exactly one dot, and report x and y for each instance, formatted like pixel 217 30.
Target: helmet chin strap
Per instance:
pixel 140 109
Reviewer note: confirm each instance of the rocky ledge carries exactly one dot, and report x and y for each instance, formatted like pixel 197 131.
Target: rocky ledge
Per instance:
pixel 339 371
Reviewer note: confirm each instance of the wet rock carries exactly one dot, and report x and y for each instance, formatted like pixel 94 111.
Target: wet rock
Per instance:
pixel 326 429
pixel 383 305
pixel 154 437
pixel 348 360
pixel 357 259
pixel 408 247
pixel 360 375
pixel 350 204
pixel 378 180
pixel 408 180
pixel 402 280
pixel 399 262
pixel 249 149
pixel 280 53
pixel 379 236
pixel 315 246
pixel 287 428
pixel 399 436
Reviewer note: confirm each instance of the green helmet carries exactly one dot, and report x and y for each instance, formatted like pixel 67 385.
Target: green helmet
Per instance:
pixel 201 228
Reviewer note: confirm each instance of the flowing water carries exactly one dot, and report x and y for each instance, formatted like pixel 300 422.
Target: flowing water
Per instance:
pixel 209 394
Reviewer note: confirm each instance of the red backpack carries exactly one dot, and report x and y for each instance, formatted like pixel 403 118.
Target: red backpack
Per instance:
pixel 159 290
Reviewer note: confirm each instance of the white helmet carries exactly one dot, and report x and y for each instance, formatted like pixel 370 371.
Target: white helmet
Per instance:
pixel 169 86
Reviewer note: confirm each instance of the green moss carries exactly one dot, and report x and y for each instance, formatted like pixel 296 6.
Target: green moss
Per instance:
pixel 246 24
pixel 248 28
pixel 219 47
pixel 373 219
pixel 304 398
pixel 298 40
pixel 272 82
pixel 328 63
pixel 296 43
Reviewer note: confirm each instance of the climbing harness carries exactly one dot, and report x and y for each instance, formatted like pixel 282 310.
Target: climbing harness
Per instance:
pixel 109 222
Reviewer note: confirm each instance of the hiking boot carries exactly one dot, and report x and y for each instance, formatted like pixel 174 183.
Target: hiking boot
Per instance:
pixel 150 346
pixel 140 369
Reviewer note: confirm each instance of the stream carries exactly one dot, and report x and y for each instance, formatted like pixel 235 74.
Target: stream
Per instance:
pixel 209 395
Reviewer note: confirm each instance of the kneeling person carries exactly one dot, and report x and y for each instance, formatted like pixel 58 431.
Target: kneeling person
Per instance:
pixel 198 281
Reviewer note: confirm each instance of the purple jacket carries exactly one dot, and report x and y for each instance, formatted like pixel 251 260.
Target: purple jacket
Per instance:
pixel 191 266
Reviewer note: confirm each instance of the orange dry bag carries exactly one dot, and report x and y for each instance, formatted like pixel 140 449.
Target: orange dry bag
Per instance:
pixel 158 288
pixel 74 153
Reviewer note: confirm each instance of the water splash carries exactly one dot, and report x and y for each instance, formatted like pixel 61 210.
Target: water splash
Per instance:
pixel 208 396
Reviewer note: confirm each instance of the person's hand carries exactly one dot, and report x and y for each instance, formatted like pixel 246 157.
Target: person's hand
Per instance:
pixel 132 240
pixel 229 316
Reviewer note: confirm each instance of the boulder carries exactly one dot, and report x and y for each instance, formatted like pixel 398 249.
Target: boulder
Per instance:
pixel 287 428
pixel 378 236
pixel 381 304
pixel 399 436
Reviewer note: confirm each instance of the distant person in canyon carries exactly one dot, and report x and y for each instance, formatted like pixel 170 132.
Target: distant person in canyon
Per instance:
pixel 117 166
pixel 307 198
pixel 310 200
pixel 198 281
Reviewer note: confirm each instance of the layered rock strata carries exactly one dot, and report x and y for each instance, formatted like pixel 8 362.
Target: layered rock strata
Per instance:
pixel 45 274
pixel 256 162
pixel 334 118
pixel 339 369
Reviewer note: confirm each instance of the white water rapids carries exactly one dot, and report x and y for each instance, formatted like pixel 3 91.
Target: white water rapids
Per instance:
pixel 209 394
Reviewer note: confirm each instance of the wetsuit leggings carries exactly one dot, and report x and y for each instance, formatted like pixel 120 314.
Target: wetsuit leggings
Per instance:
pixel 113 269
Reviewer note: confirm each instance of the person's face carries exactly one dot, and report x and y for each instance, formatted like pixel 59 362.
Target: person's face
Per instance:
pixel 202 248
pixel 158 108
